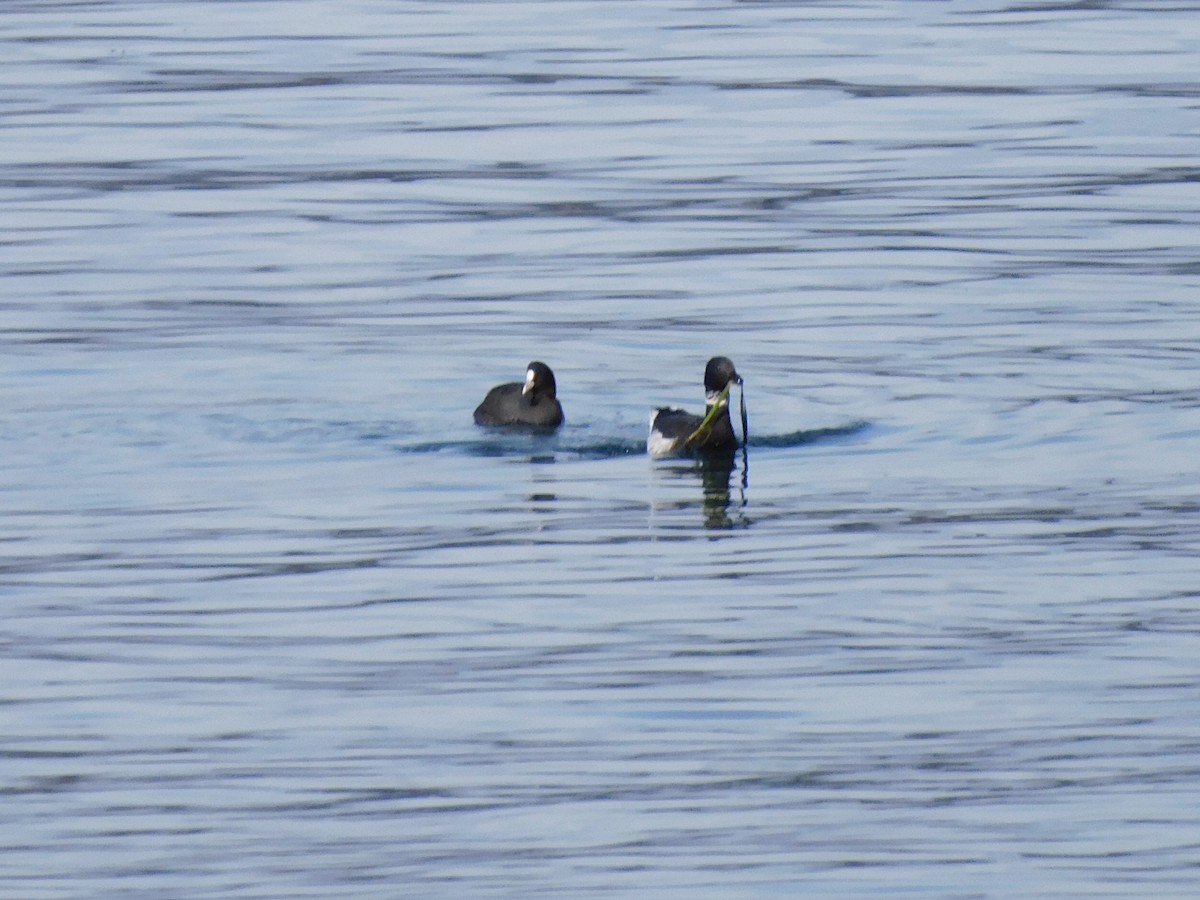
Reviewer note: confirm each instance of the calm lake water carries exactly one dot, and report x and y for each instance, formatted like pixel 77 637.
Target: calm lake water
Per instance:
pixel 279 621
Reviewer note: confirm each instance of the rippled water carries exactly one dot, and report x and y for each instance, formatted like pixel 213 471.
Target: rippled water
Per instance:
pixel 280 621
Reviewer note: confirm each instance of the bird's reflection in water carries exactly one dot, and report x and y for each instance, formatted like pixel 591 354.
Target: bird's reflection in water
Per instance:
pixel 543 482
pixel 723 497
pixel 721 509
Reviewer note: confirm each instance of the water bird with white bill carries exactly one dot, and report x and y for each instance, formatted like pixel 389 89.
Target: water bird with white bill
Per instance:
pixel 532 404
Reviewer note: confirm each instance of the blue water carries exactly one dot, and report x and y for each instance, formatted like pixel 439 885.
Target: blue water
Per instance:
pixel 279 621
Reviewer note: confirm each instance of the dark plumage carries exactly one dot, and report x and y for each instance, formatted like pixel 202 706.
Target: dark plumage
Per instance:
pixel 532 404
pixel 671 428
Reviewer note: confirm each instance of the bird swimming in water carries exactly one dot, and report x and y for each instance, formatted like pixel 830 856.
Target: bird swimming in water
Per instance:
pixel 533 404
pixel 675 432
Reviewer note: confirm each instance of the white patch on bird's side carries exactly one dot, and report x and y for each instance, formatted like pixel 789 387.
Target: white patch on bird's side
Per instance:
pixel 658 444
pixel 528 382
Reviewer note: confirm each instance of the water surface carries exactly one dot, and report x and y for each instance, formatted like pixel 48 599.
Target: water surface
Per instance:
pixel 280 621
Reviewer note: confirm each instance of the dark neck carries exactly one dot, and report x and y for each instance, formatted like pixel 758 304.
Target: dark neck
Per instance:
pixel 720 432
